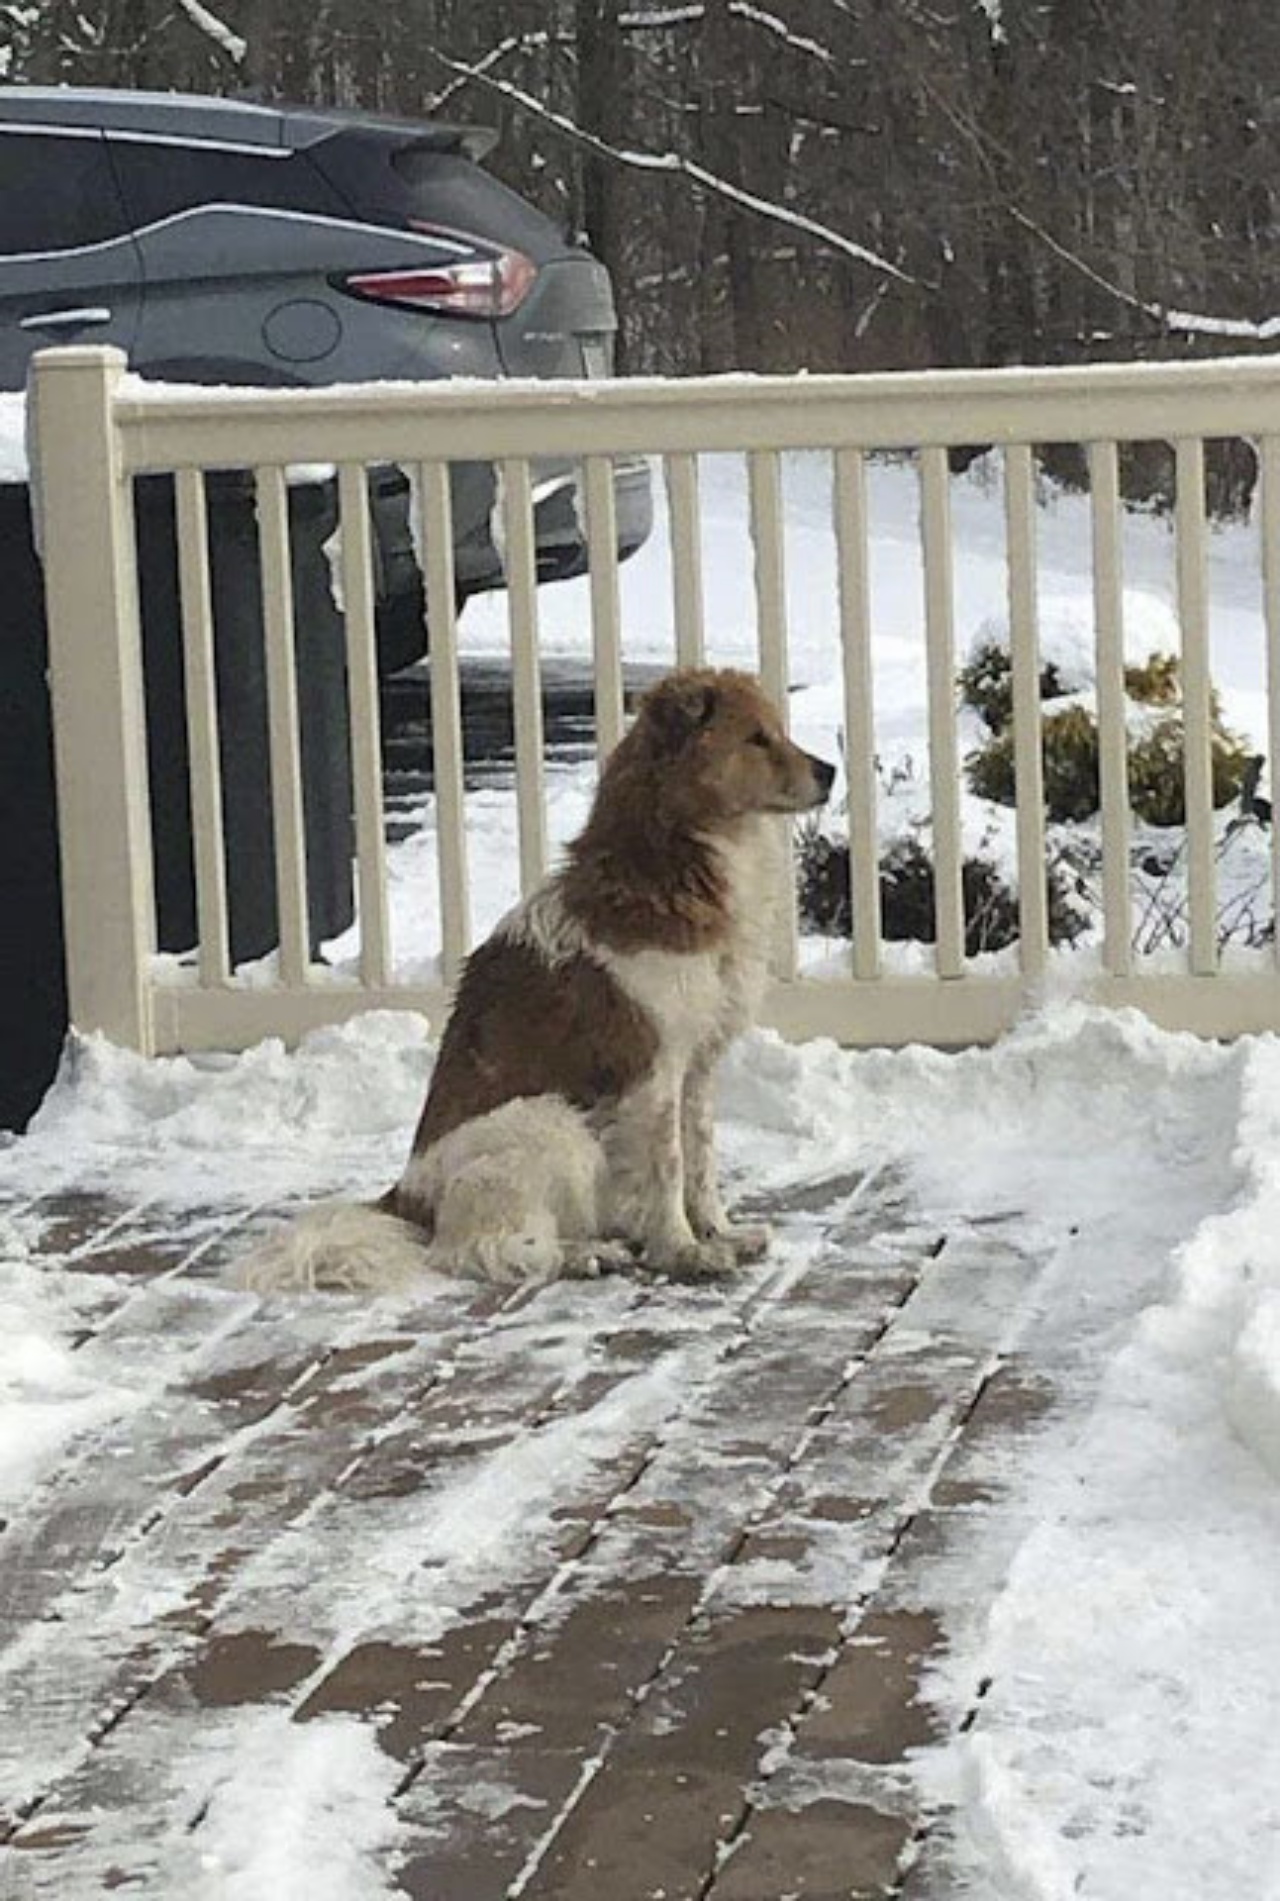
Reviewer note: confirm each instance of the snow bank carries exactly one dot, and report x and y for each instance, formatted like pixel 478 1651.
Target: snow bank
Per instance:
pixel 985 1129
pixel 1023 1857
pixel 1127 1744
pixel 1132 1643
pixel 323 1119
pixel 1226 1307
pixel 1253 1380
pixel 1070 1079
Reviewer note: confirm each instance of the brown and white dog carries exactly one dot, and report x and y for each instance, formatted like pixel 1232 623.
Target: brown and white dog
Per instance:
pixel 568 1124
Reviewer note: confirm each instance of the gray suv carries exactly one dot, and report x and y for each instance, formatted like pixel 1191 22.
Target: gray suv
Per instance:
pixel 216 241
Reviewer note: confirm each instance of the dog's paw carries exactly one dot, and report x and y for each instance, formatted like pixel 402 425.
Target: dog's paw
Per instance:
pixel 587 1260
pixel 750 1240
pixel 500 1260
pixel 710 1259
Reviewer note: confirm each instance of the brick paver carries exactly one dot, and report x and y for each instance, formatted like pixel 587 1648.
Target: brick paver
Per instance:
pixel 628 1580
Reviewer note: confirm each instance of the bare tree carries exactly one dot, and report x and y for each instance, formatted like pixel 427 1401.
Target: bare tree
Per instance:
pixel 831 183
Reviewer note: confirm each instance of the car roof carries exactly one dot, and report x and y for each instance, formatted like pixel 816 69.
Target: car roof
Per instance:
pixel 193 116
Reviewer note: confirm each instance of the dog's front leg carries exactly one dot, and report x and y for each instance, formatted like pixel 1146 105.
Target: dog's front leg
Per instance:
pixel 646 1182
pixel 703 1206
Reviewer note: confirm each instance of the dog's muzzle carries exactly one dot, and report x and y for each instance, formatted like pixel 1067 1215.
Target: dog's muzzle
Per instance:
pixel 824 777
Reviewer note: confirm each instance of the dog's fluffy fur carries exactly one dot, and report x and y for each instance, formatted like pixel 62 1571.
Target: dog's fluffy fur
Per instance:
pixel 568 1125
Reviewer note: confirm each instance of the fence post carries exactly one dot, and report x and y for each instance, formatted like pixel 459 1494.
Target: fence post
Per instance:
pixel 83 508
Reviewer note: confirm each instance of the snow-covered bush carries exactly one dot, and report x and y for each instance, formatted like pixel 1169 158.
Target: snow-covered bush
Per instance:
pixel 907 895
pixel 1070 742
pixel 1070 766
pixel 1148 478
pixel 986 684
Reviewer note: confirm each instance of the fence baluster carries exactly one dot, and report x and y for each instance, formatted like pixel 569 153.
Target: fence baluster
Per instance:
pixel 435 517
pixel 1024 643
pixel 606 612
pixel 1270 474
pixel 1197 723
pixel 1113 742
pixel 365 723
pixel 859 708
pixel 681 473
pixel 201 690
pixel 526 681
pixel 285 736
pixel 765 489
pixel 944 763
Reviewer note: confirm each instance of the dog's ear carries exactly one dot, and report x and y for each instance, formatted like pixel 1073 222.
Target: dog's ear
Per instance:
pixel 678 707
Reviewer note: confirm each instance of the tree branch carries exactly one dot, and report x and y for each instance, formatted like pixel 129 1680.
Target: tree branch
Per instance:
pixel 217 30
pixel 770 23
pixel 514 43
pixel 674 162
pixel 1181 322
pixel 656 19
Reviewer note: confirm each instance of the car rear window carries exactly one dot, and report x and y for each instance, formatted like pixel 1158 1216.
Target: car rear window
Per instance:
pixel 448 189
pixel 159 180
pixel 56 192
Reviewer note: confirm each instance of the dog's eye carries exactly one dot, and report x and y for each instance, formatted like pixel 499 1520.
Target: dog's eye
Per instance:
pixel 760 738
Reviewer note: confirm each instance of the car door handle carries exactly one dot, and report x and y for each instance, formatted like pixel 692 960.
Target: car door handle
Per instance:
pixel 66 319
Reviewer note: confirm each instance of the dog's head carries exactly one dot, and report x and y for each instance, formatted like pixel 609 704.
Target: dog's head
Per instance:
pixel 720 743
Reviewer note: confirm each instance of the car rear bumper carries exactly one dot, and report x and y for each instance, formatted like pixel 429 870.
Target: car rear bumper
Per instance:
pixel 560 541
pixel 560 535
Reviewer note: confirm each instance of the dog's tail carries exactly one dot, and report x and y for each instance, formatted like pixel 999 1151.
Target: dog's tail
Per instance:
pixel 344 1246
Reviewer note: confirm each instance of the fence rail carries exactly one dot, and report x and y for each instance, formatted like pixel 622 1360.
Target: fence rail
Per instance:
pixel 96 430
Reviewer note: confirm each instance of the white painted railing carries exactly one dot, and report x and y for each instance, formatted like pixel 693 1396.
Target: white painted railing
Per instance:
pixel 96 430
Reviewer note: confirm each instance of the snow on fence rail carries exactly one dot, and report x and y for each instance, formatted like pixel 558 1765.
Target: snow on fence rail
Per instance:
pixel 96 430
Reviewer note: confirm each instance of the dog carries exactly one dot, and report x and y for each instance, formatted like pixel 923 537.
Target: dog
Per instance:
pixel 568 1126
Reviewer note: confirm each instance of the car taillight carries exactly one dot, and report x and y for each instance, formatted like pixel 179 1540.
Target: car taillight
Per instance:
pixel 491 286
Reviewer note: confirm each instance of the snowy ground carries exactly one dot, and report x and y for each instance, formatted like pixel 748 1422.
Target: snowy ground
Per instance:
pixel 1127 1746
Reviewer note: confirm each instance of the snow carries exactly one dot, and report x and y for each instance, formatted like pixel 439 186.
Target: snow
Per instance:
pixel 299 1813
pixel 662 17
pixel 13 436
pixel 1253 1387
pixel 368 1079
pixel 1190 323
pixel 1132 1635
pixel 46 1395
pixel 1134 1643
pixel 994 10
pixel 1227 1307
pixel 15 451
pixel 487 1525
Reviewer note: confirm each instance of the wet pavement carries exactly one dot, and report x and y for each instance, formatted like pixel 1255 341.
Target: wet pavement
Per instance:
pixel 488 728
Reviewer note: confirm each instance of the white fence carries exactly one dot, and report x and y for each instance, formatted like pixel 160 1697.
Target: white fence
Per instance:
pixel 96 430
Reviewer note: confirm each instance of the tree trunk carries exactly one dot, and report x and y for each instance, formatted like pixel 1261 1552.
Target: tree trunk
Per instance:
pixel 601 110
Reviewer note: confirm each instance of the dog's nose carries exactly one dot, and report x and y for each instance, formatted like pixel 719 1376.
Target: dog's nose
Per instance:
pixel 824 776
